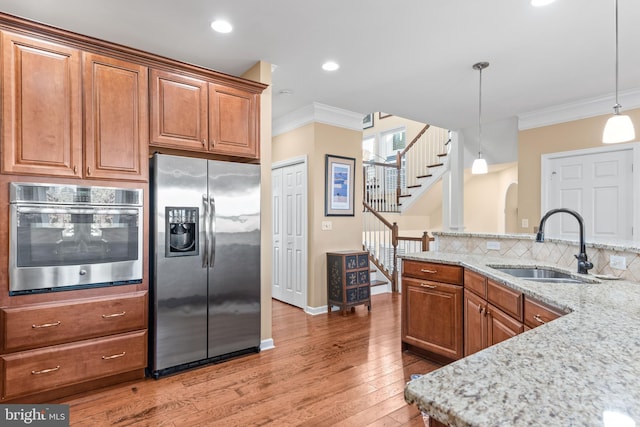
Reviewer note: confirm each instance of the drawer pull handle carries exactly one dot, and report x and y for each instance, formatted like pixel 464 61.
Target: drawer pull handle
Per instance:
pixel 424 270
pixel 539 319
pixel 114 356
pixel 424 285
pixel 45 371
pixel 46 325
pixel 109 316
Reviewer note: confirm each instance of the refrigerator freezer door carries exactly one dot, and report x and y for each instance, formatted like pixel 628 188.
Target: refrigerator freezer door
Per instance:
pixel 180 282
pixel 234 278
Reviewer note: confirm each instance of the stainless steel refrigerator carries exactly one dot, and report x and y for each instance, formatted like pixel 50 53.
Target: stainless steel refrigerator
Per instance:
pixel 205 265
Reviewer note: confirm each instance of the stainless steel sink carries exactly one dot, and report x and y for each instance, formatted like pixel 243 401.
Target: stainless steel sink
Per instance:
pixel 541 274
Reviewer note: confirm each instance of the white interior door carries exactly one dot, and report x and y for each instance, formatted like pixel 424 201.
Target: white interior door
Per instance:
pixel 289 192
pixel 597 185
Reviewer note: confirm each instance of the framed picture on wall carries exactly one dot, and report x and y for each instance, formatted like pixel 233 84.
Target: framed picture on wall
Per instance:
pixel 367 121
pixel 338 190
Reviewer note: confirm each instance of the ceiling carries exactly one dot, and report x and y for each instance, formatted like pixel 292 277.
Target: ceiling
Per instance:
pixel 411 58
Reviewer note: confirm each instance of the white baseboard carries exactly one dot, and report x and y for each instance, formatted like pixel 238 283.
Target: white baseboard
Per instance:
pixel 316 310
pixel 267 344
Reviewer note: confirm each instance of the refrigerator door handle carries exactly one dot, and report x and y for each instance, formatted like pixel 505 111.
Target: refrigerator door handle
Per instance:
pixel 212 224
pixel 205 255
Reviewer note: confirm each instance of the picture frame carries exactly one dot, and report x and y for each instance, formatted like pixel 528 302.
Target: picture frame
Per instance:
pixel 382 115
pixel 339 185
pixel 367 121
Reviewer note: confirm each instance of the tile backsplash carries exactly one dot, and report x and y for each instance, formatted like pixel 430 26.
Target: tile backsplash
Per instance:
pixel 554 251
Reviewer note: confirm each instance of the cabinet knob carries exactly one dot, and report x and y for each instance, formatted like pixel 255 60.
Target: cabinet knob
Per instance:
pixel 204 142
pixel 75 169
pixel 88 170
pixel 424 270
pixel 424 285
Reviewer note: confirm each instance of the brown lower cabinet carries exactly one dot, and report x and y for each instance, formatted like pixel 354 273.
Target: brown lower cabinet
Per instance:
pixel 48 347
pixel 492 312
pixel 432 310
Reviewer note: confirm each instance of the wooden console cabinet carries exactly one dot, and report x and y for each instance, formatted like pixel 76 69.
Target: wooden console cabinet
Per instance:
pixel 432 309
pixel 348 283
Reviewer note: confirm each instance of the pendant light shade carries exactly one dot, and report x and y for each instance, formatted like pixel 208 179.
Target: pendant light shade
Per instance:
pixel 619 127
pixel 479 165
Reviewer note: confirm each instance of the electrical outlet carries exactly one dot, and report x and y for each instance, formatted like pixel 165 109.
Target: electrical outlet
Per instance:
pixel 494 246
pixel 327 225
pixel 525 223
pixel 618 262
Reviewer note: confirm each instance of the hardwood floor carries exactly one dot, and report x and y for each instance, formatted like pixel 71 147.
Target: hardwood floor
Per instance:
pixel 325 370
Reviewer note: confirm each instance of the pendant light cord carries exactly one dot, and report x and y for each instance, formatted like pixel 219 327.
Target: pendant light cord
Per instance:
pixel 616 107
pixel 480 115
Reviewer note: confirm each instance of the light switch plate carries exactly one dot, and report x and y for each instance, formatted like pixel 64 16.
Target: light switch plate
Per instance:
pixel 525 222
pixel 327 225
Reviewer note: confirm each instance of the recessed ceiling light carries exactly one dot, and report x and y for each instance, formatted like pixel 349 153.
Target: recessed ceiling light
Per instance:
pixel 221 26
pixel 539 3
pixel 330 66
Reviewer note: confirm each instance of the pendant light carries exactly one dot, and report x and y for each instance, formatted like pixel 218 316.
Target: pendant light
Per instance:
pixel 479 165
pixel 619 127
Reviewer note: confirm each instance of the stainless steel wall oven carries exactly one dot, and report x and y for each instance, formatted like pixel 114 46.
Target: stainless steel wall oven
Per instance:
pixel 66 237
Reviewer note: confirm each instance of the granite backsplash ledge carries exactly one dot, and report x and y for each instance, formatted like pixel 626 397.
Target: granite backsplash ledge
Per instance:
pixel 555 251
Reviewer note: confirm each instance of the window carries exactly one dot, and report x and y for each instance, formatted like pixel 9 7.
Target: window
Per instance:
pixel 391 142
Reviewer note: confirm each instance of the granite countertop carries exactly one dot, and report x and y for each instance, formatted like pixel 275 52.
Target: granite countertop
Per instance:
pixel 579 370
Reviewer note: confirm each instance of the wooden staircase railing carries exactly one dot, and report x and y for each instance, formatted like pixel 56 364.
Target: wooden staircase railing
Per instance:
pixel 381 238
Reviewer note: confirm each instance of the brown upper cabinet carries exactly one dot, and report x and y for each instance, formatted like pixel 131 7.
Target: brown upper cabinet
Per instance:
pixel 116 118
pixel 189 113
pixel 42 122
pixel 41 107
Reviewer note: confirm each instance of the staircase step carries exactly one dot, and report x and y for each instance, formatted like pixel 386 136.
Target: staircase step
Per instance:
pixel 405 195
pixel 378 282
pixel 425 176
pixel 435 165
pixel 442 155
pixel 414 186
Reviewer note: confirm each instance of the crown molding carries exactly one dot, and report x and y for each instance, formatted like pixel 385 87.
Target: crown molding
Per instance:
pixel 317 113
pixel 577 110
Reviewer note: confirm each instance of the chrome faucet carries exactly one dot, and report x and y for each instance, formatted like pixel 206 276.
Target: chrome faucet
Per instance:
pixel 583 264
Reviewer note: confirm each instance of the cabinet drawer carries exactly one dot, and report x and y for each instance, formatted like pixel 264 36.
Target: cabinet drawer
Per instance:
pixel 432 271
pixel 44 369
pixel 506 299
pixel 537 313
pixel 476 283
pixel 47 324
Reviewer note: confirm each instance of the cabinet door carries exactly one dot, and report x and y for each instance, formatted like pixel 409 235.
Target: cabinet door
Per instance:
pixel 501 326
pixel 116 118
pixel 233 121
pixel 41 107
pixel 475 323
pixel 432 317
pixel 179 111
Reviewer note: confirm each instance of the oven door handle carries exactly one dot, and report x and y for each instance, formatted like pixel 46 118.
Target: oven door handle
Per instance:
pixel 76 210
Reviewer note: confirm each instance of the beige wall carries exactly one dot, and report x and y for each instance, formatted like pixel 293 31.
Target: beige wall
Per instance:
pixel 485 198
pixel 261 72
pixel 533 143
pixel 315 141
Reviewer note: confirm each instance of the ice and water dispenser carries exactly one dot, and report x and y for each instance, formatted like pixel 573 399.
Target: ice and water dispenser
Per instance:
pixel 182 231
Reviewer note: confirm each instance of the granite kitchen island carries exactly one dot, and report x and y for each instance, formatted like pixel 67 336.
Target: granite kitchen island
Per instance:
pixel 582 369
